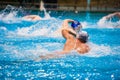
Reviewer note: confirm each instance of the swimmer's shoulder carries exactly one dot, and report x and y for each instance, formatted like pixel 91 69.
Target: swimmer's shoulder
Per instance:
pixel 83 48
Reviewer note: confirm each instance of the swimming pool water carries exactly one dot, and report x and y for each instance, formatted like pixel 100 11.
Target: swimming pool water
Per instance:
pixel 23 41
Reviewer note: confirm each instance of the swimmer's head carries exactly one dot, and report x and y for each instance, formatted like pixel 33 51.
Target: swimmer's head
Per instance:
pixel 83 36
pixel 76 25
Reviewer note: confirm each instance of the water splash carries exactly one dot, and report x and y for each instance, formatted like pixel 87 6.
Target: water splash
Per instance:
pixel 44 28
pixel 28 52
pixel 42 8
pixel 88 4
pixel 11 14
pixel 88 9
pixel 104 23
pixel 47 28
pixel 99 50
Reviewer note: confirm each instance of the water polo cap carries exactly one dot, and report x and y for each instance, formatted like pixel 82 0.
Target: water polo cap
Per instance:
pixel 83 35
pixel 75 24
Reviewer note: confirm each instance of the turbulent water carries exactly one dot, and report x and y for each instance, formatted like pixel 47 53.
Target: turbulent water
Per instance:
pixel 23 41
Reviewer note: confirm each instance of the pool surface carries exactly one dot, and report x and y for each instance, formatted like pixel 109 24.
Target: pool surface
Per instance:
pixel 23 41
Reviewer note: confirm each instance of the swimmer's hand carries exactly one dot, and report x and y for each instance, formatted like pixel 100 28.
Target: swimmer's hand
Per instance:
pixel 44 57
pixel 47 56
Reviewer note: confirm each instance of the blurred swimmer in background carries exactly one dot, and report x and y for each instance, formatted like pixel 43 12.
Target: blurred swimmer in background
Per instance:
pixel 32 17
pixel 117 14
pixel 111 20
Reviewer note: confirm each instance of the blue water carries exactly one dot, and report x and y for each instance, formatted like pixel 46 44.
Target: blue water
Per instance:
pixel 23 41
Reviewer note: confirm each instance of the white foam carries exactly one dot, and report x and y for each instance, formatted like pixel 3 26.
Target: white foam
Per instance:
pixel 84 24
pixel 104 23
pixel 17 52
pixel 27 31
pixel 98 50
pixel 41 28
pixel 3 28
pixel 9 15
pixel 38 49
pixel 10 18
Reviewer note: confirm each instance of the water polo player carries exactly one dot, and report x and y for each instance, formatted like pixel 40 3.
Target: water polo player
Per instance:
pixel 75 38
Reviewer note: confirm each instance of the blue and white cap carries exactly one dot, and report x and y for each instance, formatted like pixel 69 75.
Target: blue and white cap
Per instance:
pixel 83 35
pixel 76 25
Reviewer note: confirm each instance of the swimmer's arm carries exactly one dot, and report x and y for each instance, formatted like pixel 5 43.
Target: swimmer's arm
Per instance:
pixel 73 33
pixel 65 23
pixel 33 17
pixel 56 54
pixel 111 15
pixel 118 14
pixel 67 34
pixel 69 20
